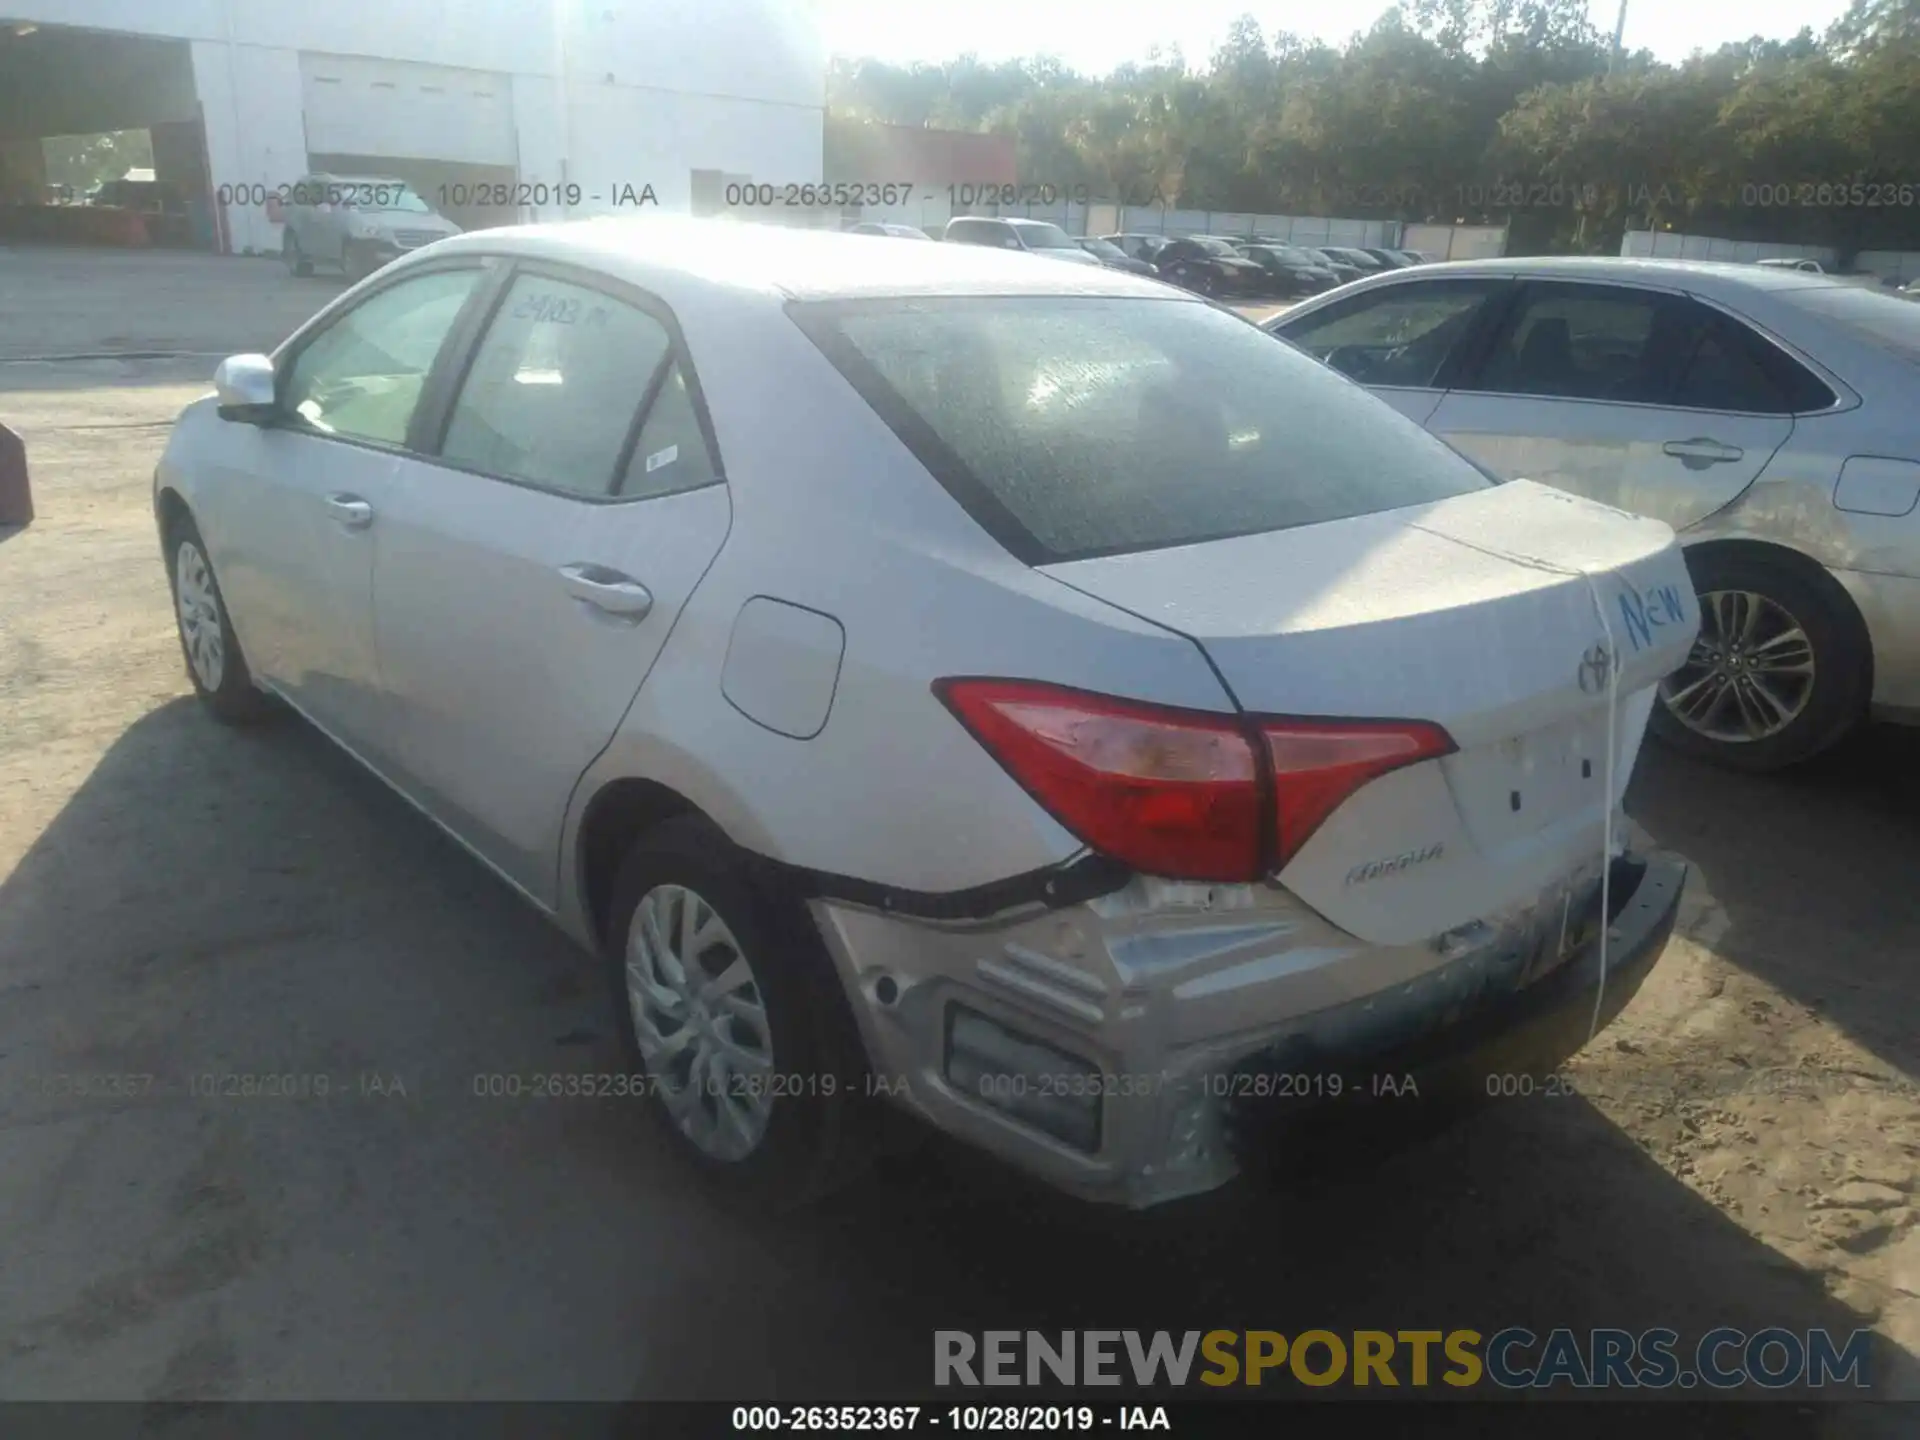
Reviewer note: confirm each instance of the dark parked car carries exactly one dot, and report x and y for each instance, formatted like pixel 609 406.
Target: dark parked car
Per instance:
pixel 1210 266
pixel 1415 257
pixel 1391 259
pixel 1360 260
pixel 1291 271
pixel 1343 270
pixel 1042 237
pixel 1139 247
pixel 1111 255
pixel 881 227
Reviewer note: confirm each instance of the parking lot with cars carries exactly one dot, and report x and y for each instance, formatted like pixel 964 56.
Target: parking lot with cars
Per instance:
pixel 284 1077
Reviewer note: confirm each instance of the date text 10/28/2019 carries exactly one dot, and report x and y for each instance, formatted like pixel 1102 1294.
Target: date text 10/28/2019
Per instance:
pixel 960 196
pixel 1030 1419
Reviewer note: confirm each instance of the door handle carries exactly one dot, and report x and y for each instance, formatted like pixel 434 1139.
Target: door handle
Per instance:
pixel 350 510
pixel 1700 452
pixel 607 590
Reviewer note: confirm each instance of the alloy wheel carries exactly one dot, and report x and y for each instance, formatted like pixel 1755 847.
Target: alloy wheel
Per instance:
pixel 199 607
pixel 1750 674
pixel 701 1021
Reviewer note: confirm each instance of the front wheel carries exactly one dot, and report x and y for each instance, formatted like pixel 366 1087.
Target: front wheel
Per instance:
pixel 1781 670
pixel 729 1006
pixel 215 664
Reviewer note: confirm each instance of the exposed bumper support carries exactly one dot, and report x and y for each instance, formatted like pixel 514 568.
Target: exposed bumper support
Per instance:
pixel 1143 1045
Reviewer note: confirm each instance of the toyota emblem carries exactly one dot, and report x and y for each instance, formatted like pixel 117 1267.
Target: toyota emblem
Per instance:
pixel 1595 666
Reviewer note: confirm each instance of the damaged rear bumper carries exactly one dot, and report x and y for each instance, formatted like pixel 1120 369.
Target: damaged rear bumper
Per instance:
pixel 1503 1045
pixel 1151 1044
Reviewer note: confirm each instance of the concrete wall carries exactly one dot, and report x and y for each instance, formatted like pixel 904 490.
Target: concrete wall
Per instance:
pixel 930 207
pixel 1897 264
pixel 1666 245
pixel 1456 242
pixel 1669 245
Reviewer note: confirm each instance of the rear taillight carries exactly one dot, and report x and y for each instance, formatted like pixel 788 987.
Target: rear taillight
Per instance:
pixel 1317 764
pixel 1181 793
pixel 1169 792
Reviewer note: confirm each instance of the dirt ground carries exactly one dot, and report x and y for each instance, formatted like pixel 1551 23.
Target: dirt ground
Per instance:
pixel 179 900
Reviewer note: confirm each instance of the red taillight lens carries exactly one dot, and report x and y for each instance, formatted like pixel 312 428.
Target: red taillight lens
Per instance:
pixel 1169 792
pixel 1180 792
pixel 1317 764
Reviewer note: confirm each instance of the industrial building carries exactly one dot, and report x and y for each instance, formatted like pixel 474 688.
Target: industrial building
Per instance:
pixel 493 109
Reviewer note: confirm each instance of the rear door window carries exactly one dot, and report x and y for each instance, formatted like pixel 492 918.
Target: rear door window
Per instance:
pixel 551 397
pixel 1734 368
pixel 1073 426
pixel 1399 335
pixel 1587 342
pixel 672 453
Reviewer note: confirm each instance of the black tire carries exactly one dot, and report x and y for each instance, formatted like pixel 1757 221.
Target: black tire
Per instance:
pixel 290 251
pixel 233 699
pixel 821 1128
pixel 1842 659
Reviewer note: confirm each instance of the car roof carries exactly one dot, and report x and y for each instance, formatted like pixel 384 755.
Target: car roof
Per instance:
pixel 1707 275
pixel 664 252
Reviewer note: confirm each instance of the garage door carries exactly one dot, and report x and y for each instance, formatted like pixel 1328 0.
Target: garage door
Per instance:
pixel 356 106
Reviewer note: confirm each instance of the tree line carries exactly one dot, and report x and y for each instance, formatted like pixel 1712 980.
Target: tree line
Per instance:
pixel 1514 112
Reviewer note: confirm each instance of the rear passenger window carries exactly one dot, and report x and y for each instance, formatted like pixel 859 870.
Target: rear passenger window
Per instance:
pixel 1727 373
pixel 554 387
pixel 1581 342
pixel 672 453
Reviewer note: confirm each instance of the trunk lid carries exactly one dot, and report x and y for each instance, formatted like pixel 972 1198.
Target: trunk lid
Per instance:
pixel 1482 614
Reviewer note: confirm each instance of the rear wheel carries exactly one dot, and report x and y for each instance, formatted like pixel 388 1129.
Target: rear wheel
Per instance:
pixel 1781 669
pixel 729 1005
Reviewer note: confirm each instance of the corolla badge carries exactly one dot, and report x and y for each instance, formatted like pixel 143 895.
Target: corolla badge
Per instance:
pixel 1394 864
pixel 1595 668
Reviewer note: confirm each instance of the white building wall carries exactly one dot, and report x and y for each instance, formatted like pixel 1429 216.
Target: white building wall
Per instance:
pixel 250 100
pixel 652 89
pixel 626 140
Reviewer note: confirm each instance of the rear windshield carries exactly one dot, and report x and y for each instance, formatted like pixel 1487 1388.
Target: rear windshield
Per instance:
pixel 1044 235
pixel 1073 426
pixel 1889 321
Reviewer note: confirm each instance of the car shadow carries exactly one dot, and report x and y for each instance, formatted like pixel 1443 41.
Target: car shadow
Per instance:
pixel 1812 874
pixel 209 902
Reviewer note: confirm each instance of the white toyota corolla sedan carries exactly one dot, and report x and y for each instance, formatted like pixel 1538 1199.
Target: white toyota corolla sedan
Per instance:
pixel 1024 694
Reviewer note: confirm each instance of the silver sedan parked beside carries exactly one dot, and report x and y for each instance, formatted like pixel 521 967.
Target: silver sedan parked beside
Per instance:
pixel 1021 693
pixel 1767 413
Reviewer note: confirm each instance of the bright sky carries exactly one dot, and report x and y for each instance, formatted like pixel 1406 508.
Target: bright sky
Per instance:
pixel 1097 35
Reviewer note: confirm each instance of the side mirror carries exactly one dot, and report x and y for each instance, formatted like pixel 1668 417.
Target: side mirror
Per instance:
pixel 244 386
